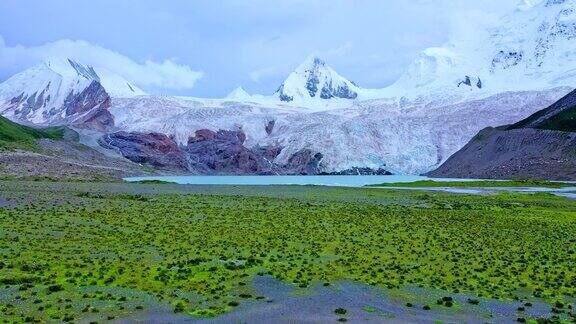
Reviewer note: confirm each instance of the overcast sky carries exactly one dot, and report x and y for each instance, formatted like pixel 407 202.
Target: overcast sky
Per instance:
pixel 207 48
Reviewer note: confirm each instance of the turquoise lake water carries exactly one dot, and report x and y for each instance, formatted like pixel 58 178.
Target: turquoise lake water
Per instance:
pixel 342 181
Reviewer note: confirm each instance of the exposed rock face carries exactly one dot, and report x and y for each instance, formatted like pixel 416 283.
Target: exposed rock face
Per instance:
pixel 91 105
pixel 467 81
pixel 71 94
pixel 223 152
pixel 210 152
pixel 268 152
pixel 88 108
pixel 506 59
pixel 157 150
pixel 270 127
pixel 99 119
pixel 84 101
pixel 304 162
pixel 540 146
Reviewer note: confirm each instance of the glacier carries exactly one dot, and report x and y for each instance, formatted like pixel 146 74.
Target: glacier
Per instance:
pixel 497 76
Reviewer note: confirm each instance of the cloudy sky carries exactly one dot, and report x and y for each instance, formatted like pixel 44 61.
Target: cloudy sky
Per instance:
pixel 207 48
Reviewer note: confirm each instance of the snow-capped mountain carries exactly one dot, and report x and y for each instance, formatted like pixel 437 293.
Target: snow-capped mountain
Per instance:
pixel 494 77
pixel 548 53
pixel 313 79
pixel 533 48
pixel 61 91
pixel 402 137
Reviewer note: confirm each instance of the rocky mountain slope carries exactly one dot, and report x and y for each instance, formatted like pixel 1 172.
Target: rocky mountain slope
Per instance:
pixel 209 152
pixel 540 146
pixel 497 76
pixel 63 92
pixel 54 153
pixel 401 137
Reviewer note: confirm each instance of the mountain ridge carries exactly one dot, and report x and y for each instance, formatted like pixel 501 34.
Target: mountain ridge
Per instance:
pixel 449 94
pixel 540 146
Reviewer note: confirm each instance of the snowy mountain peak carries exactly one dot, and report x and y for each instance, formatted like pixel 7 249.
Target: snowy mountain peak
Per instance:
pixel 68 67
pixel 314 79
pixel 311 63
pixel 532 47
pixel 238 94
pixel 62 91
pixel 537 42
pixel 114 84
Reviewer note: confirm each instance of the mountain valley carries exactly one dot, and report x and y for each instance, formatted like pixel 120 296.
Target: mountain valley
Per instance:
pixel 317 121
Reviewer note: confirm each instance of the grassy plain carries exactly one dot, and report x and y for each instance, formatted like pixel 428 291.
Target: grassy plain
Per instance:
pixel 479 184
pixel 98 252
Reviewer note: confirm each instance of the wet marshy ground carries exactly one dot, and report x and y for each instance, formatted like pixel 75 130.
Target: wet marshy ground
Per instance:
pixel 121 252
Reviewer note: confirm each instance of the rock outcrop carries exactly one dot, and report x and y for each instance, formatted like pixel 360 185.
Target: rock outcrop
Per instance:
pixel 89 108
pixel 304 162
pixel 224 152
pixel 153 149
pixel 215 152
pixel 540 146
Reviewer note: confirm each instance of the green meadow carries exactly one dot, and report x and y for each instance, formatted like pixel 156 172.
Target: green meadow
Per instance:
pixel 479 184
pixel 15 136
pixel 72 252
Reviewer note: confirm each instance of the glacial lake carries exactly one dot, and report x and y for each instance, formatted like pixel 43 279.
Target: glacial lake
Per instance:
pixel 340 181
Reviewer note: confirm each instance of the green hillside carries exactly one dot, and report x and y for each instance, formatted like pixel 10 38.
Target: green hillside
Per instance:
pixel 15 136
pixel 564 121
pixel 561 116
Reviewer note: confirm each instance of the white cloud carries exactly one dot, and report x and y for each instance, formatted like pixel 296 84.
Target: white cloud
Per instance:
pixel 256 43
pixel 263 73
pixel 148 75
